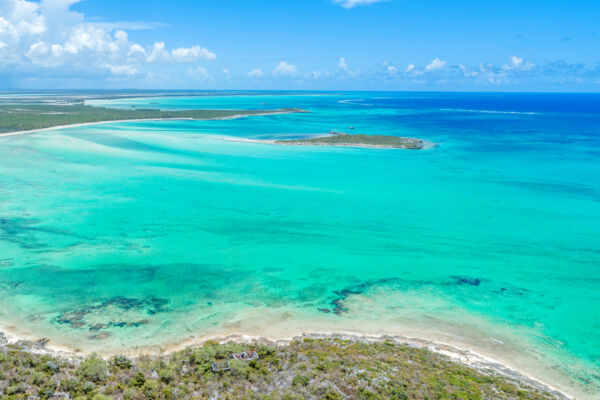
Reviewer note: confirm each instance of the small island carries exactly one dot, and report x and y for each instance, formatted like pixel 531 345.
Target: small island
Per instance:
pixel 360 140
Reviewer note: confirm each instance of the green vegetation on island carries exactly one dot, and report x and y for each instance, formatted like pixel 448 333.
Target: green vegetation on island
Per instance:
pixel 342 139
pixel 304 369
pixel 25 117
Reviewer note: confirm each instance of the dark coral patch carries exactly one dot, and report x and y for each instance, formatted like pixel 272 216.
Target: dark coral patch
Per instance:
pixel 463 280
pixel 337 304
pixel 78 319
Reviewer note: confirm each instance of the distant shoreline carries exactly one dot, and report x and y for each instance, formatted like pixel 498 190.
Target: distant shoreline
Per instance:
pixel 235 116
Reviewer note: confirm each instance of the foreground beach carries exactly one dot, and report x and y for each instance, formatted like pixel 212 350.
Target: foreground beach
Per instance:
pixel 311 366
pixel 470 350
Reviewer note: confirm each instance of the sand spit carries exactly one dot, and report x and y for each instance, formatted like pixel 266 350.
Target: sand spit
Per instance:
pixel 236 116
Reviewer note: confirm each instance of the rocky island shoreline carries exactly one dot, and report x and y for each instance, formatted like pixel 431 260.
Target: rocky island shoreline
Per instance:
pixel 340 139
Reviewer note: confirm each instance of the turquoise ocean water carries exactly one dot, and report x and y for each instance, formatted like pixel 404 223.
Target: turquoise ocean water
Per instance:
pixel 152 233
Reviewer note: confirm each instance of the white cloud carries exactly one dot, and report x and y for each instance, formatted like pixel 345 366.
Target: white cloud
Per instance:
pixel 519 64
pixel 123 70
pixel 468 73
pixel 354 3
pixel 137 51
pixel 47 34
pixel 345 69
pixel 284 69
pixel 392 70
pixel 410 68
pixel 256 73
pixel 121 36
pixel 194 53
pixel 199 74
pixel 317 74
pixel 354 73
pixel 435 65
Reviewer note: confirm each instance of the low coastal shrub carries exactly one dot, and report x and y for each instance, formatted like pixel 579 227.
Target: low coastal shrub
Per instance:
pixel 307 369
pixel 166 375
pixel 94 369
pixel 300 380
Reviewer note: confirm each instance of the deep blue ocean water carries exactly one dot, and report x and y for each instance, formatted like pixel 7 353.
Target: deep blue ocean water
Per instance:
pixel 153 232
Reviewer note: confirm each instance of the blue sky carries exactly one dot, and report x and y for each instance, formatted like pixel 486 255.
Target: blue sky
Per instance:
pixel 527 45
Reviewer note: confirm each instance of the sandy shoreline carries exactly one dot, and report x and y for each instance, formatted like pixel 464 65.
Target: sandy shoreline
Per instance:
pixel 456 354
pixel 236 116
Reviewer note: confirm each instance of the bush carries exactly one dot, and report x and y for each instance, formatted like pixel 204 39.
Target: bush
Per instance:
pixel 70 385
pixel 94 369
pixel 166 375
pixel 239 368
pixel 132 394
pixel 121 362
pixel 15 389
pixel 139 379
pixel 38 378
pixel 332 395
pixel 300 380
pixel 88 387
pixel 151 389
pixel 203 355
pixel 51 368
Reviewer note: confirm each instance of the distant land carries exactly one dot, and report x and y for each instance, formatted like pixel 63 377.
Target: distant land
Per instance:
pixel 360 140
pixel 32 117
pixel 339 139
pixel 35 115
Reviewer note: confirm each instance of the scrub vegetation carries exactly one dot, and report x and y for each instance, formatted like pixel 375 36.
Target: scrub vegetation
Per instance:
pixel 338 139
pixel 303 369
pixel 24 117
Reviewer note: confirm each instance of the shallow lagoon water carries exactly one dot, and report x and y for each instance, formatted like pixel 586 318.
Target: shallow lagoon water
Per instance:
pixel 152 233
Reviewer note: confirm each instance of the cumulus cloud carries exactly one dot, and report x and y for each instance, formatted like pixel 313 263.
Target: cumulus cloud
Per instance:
pixel 200 74
pixel 123 69
pixel 48 34
pixel 435 65
pixel 345 71
pixel 317 74
pixel 256 73
pixel 194 53
pixel 517 63
pixel 354 3
pixel 283 69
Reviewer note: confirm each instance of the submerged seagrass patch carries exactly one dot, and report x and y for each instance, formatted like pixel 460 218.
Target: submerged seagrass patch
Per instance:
pixel 116 312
